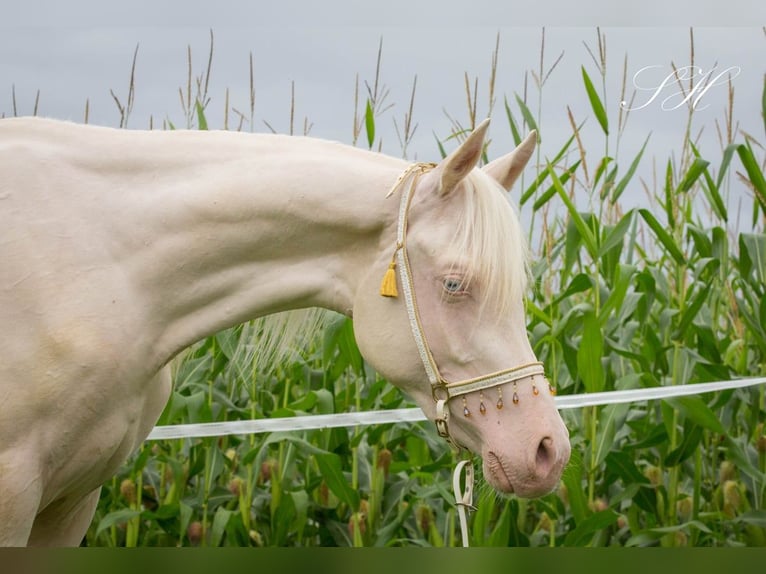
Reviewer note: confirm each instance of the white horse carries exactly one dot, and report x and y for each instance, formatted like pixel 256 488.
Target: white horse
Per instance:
pixel 119 249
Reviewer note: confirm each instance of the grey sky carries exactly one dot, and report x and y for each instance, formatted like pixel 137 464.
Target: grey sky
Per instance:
pixel 74 55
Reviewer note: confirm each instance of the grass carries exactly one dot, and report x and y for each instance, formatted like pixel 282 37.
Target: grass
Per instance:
pixel 666 294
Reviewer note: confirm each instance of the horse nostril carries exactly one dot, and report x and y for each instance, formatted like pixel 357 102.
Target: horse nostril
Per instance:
pixel 545 456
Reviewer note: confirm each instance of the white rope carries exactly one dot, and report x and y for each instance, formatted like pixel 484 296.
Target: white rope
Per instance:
pixel 408 415
pixel 463 497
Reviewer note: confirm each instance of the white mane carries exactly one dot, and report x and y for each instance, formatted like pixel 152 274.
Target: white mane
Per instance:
pixel 490 235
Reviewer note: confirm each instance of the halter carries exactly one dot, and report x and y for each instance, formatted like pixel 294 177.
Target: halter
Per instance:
pixel 441 389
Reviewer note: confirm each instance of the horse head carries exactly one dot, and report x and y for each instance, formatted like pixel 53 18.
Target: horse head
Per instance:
pixel 448 326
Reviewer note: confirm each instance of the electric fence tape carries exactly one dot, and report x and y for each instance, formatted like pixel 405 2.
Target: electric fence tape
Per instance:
pixel 414 414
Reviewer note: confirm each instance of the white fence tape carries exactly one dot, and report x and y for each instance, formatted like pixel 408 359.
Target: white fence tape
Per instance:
pixel 313 422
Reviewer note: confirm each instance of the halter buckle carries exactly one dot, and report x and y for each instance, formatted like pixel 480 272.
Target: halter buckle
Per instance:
pixel 441 428
pixel 440 392
pixel 441 418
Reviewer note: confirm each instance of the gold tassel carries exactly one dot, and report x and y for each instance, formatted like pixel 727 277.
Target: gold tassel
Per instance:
pixel 388 286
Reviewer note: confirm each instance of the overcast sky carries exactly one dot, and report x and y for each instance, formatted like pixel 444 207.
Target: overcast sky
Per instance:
pixel 84 50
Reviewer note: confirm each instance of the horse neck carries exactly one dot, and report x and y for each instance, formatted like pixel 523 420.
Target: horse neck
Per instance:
pixel 250 226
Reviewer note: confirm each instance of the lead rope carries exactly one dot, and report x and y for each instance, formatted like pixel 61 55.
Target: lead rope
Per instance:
pixel 463 498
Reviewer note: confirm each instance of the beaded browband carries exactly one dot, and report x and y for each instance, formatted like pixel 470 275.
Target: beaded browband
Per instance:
pixel 441 390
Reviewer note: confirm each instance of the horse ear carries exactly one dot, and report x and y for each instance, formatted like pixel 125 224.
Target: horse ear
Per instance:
pixel 506 169
pixel 460 162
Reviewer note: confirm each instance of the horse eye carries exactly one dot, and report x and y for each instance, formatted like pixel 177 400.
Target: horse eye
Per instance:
pixel 452 285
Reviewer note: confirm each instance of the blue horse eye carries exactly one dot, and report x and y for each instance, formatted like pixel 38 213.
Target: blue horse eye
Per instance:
pixel 453 284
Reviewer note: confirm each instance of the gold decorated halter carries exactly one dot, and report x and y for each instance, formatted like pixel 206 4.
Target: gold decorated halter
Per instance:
pixel 441 389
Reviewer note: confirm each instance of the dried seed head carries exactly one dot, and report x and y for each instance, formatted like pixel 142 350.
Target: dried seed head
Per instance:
pixel 654 474
pixel 358 519
pixel 680 537
pixel 149 498
pixel 256 537
pixel 732 498
pixel 128 490
pixel 324 494
pixel 384 460
pixel 760 444
pixel 424 517
pixel 684 508
pixel 236 485
pixel 545 522
pixel 598 505
pixel 231 454
pixel 727 471
pixel 622 522
pixel 194 532
pixel 268 468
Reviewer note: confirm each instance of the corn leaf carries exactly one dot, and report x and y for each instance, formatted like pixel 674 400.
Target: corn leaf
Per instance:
pixel 586 235
pixel 754 173
pixel 595 102
pixel 623 183
pixel 663 236
pixel 527 115
pixel 369 124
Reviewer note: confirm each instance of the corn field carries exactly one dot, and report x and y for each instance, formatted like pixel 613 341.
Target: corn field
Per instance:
pixel 667 293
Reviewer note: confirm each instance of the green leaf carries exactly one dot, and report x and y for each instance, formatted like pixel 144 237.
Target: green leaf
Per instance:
pixel 651 535
pixel 754 173
pixel 669 195
pixel 601 169
pixel 201 119
pixel 589 354
pixel 512 122
pixel 585 530
pixel 753 517
pixel 752 253
pixel 115 518
pixel 763 104
pixel 663 236
pixel 711 190
pixel 689 444
pixel 623 183
pixel 623 278
pixel 220 522
pixel 595 102
pixel 578 284
pixel 442 151
pixel 527 115
pixel 695 409
pixel 572 479
pixel 529 192
pixel 611 420
pixel 551 191
pixel 696 169
pixel 621 463
pixel 728 153
pixel 690 312
pixel 330 466
pixel 585 232
pixel 283 519
pixel 615 236
pixel 502 531
pixel 701 241
pixel 369 124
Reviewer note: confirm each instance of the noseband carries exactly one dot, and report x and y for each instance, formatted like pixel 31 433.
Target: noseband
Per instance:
pixel 441 389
